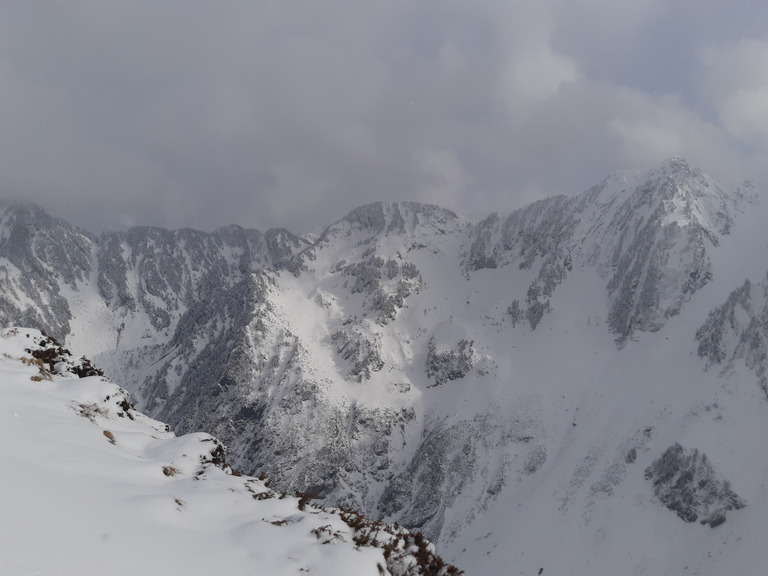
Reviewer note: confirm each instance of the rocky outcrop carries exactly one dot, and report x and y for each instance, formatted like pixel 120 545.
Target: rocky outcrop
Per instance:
pixel 738 330
pixel 686 483
pixel 40 257
pixel 451 364
pixel 662 234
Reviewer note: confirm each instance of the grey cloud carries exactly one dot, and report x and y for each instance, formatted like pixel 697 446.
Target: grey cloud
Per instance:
pixel 292 113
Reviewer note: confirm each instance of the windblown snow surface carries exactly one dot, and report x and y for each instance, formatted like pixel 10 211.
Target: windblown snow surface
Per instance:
pixel 92 487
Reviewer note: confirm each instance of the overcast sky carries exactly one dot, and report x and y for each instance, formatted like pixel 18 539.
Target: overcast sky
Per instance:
pixel 290 113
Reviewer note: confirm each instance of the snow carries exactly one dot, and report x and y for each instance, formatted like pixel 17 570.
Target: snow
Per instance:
pixel 593 397
pixel 555 519
pixel 87 494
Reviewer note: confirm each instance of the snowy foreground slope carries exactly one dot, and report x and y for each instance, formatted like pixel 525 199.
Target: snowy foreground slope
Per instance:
pixel 579 386
pixel 93 487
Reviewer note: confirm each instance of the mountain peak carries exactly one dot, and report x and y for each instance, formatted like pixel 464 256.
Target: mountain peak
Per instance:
pixel 676 165
pixel 31 216
pixel 392 218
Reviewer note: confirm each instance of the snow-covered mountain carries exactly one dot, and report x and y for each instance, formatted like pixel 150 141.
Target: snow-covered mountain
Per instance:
pixel 573 386
pixel 94 487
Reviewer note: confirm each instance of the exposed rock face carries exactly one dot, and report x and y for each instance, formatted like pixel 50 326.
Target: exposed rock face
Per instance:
pixel 660 258
pixel 363 355
pixel 451 364
pixel 162 272
pixel 738 330
pixel 540 234
pixel 649 239
pixel 686 483
pixel 403 219
pixel 40 256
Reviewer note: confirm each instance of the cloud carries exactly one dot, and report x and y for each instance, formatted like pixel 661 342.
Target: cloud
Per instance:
pixel 745 114
pixel 648 141
pixel 531 72
pixel 445 180
pixel 532 78
pixel 292 113
pixel 737 83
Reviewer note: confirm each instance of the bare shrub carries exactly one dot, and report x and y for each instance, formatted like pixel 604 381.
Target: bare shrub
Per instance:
pixel 109 436
pixel 43 373
pixel 89 410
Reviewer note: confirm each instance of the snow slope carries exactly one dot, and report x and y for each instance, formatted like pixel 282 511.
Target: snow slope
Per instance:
pixel 93 487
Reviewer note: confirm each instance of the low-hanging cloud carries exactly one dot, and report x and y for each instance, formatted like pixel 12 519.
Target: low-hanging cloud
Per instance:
pixel 283 113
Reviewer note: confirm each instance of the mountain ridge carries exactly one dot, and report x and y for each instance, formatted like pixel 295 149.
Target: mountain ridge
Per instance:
pixel 432 370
